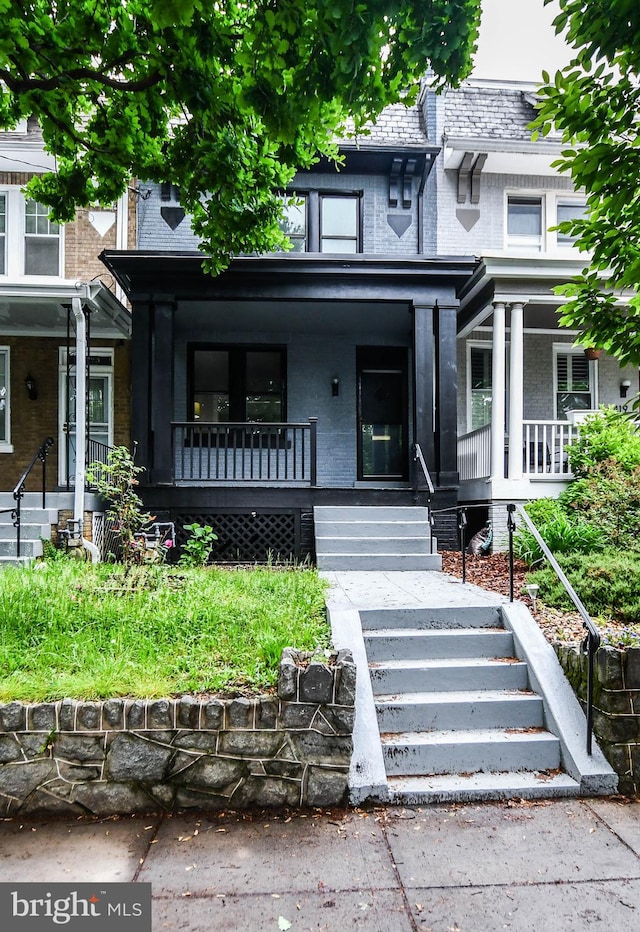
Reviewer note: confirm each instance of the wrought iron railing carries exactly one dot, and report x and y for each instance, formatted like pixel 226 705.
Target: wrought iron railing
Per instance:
pixel 592 639
pixel 18 493
pixel 97 453
pixel 245 452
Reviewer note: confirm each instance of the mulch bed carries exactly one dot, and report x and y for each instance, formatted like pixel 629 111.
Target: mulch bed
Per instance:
pixel 492 572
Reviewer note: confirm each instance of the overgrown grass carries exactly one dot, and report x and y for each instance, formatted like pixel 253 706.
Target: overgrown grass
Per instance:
pixel 91 632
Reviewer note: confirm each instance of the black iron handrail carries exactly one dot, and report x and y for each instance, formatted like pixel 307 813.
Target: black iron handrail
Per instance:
pixel 18 493
pixel 592 640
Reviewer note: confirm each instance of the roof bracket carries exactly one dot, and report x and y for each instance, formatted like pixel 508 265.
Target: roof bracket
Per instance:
pixel 476 171
pixel 463 176
pixel 394 182
pixel 407 182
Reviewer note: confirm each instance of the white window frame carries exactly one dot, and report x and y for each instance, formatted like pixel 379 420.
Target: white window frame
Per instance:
pixel 522 242
pixel 5 445
pixel 107 371
pixel 482 345
pixel 567 349
pixel 15 234
pixel 548 242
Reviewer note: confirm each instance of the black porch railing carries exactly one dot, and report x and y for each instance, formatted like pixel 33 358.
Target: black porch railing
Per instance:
pixel 97 453
pixel 18 493
pixel 245 452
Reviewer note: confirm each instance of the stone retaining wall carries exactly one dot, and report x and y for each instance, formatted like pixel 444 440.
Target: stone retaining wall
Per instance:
pixel 134 755
pixel 616 714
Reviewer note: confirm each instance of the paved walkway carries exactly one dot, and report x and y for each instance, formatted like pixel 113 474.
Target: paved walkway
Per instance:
pixel 566 864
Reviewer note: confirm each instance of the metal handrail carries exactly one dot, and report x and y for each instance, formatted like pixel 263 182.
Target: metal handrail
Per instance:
pixel 592 640
pixel 418 457
pixel 18 493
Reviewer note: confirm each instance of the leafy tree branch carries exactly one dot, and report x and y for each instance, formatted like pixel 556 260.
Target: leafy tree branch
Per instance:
pixel 227 100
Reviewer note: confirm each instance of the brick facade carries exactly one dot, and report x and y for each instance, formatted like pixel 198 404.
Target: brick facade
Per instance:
pixel 33 421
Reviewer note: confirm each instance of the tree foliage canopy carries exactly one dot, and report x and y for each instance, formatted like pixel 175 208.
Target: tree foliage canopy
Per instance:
pixel 595 102
pixel 224 98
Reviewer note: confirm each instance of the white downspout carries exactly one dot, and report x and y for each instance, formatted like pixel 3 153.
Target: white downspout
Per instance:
pixel 81 425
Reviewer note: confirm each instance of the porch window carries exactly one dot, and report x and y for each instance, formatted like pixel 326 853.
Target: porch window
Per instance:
pixel 480 390
pixel 4 396
pixel 573 379
pixel 294 224
pixel 41 241
pixel 238 384
pixel 524 223
pixel 3 233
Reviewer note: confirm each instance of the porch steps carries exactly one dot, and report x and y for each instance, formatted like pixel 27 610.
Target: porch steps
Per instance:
pixel 457 717
pixel 369 537
pixel 35 526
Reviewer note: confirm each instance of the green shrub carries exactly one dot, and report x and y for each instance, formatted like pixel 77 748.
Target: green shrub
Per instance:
pixel 610 499
pixel 608 583
pixel 196 550
pixel 562 533
pixel 607 435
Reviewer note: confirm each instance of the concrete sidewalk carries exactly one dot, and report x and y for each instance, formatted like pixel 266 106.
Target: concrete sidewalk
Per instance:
pixel 547 865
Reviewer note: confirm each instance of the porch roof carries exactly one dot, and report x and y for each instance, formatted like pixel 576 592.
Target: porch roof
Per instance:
pixel 37 309
pixel 180 276
pixel 530 280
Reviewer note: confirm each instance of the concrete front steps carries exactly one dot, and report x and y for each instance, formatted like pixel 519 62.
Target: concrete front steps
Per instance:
pixel 35 525
pixel 457 717
pixel 374 538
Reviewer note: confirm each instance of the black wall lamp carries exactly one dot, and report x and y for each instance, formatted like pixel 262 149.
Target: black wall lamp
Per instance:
pixel 32 389
pixel 335 386
pixel 625 385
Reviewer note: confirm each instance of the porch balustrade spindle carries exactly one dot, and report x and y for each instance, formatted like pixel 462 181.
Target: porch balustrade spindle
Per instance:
pixel 245 452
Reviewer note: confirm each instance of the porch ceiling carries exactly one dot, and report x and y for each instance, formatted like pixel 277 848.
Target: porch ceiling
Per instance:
pixel 38 311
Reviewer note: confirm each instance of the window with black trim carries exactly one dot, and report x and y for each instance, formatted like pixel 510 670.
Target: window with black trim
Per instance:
pixel 238 384
pixel 328 222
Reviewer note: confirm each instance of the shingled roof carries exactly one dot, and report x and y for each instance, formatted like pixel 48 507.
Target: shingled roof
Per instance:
pixel 488 113
pixel 396 127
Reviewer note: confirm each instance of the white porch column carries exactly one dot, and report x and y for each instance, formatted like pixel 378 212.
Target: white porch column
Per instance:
pixel 498 381
pixel 516 390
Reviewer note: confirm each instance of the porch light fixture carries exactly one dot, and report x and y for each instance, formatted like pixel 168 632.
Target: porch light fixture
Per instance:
pixel 625 385
pixel 532 592
pixel 335 386
pixel 32 389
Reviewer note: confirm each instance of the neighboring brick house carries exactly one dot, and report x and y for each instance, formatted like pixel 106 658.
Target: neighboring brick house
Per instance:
pixel 43 268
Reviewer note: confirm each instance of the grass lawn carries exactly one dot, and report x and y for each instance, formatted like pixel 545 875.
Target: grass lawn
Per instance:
pixel 91 632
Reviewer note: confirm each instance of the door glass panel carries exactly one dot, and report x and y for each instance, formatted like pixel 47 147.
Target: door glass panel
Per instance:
pixel 381 424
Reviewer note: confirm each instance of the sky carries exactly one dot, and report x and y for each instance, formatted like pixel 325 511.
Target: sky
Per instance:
pixel 517 41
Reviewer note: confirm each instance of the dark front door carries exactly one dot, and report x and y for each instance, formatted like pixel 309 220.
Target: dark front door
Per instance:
pixel 382 413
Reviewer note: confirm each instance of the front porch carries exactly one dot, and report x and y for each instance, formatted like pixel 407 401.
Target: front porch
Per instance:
pixel 526 385
pixel 292 381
